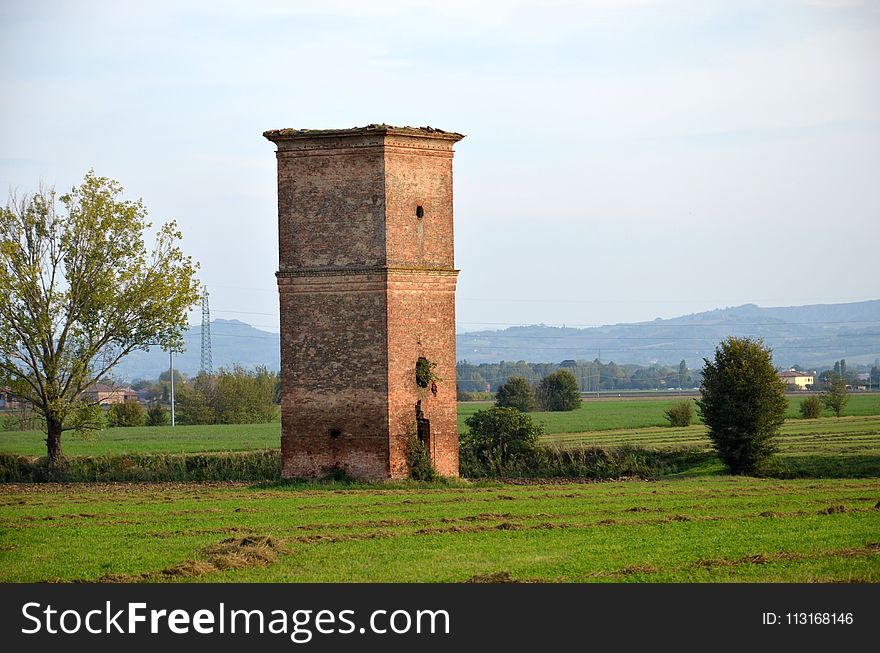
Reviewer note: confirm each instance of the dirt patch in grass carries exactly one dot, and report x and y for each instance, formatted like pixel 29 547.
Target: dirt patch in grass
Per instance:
pixel 501 577
pixel 189 568
pixel 494 577
pixel 715 562
pixel 247 551
pixel 757 559
pixel 868 549
pixel 832 510
pixel 483 516
pixel 676 518
pixel 636 569
pixel 231 553
pixel 871 548
pixel 453 529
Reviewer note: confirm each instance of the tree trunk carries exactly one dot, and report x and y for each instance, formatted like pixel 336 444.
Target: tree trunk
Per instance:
pixel 55 459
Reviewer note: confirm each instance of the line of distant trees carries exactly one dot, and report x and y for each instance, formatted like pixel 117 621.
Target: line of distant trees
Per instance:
pixel 229 396
pixel 855 377
pixel 591 376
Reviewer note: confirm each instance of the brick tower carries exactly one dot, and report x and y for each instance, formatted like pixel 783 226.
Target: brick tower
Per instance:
pixel 367 290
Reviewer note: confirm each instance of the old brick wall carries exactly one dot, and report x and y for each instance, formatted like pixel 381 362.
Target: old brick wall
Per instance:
pixel 419 173
pixel 421 296
pixel 334 408
pixel 421 323
pixel 367 286
pixel 331 202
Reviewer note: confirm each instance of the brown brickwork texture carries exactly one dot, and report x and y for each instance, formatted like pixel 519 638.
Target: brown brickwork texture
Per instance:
pixel 367 286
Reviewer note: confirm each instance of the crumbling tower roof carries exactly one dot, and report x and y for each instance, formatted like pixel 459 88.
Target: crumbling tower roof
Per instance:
pixel 372 129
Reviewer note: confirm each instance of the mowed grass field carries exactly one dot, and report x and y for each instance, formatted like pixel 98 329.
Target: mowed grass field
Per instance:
pixel 712 529
pixel 702 527
pixel 824 447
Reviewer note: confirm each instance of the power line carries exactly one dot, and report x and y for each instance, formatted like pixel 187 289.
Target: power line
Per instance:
pixel 611 348
pixel 247 313
pixel 605 338
pixel 667 325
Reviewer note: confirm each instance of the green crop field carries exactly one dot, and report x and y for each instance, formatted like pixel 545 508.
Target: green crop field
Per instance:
pixel 828 446
pixel 846 435
pixel 609 413
pixel 714 529
pixel 146 439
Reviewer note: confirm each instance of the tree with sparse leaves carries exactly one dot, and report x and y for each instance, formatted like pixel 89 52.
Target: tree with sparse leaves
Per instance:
pixel 79 290
pixel 517 393
pixel 742 403
pixel 836 395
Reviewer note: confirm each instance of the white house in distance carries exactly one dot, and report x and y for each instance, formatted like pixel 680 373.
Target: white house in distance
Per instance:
pixel 800 379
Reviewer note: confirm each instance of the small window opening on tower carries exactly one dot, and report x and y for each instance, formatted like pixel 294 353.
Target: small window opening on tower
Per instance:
pixel 424 431
pixel 335 433
pixel 420 212
pixel 423 426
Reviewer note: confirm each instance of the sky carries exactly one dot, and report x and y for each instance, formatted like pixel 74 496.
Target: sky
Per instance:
pixel 624 160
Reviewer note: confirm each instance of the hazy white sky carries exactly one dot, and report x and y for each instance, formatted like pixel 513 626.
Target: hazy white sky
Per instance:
pixel 624 159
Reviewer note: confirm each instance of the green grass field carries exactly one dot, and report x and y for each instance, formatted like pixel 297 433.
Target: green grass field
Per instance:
pixel 145 439
pixel 716 529
pixel 846 435
pixel 702 527
pixel 608 413
pixel 595 415
pixel 828 446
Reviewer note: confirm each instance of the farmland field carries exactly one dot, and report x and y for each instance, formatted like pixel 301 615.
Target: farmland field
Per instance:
pixel 702 527
pixel 716 529
pixel 146 439
pixel 846 435
pixel 595 415
pixel 609 413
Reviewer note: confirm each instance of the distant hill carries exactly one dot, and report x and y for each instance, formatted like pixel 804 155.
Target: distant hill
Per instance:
pixel 232 342
pixel 806 335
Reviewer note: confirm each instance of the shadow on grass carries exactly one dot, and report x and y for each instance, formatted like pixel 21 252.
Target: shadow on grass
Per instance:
pixel 300 484
pixel 786 466
pixel 839 466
